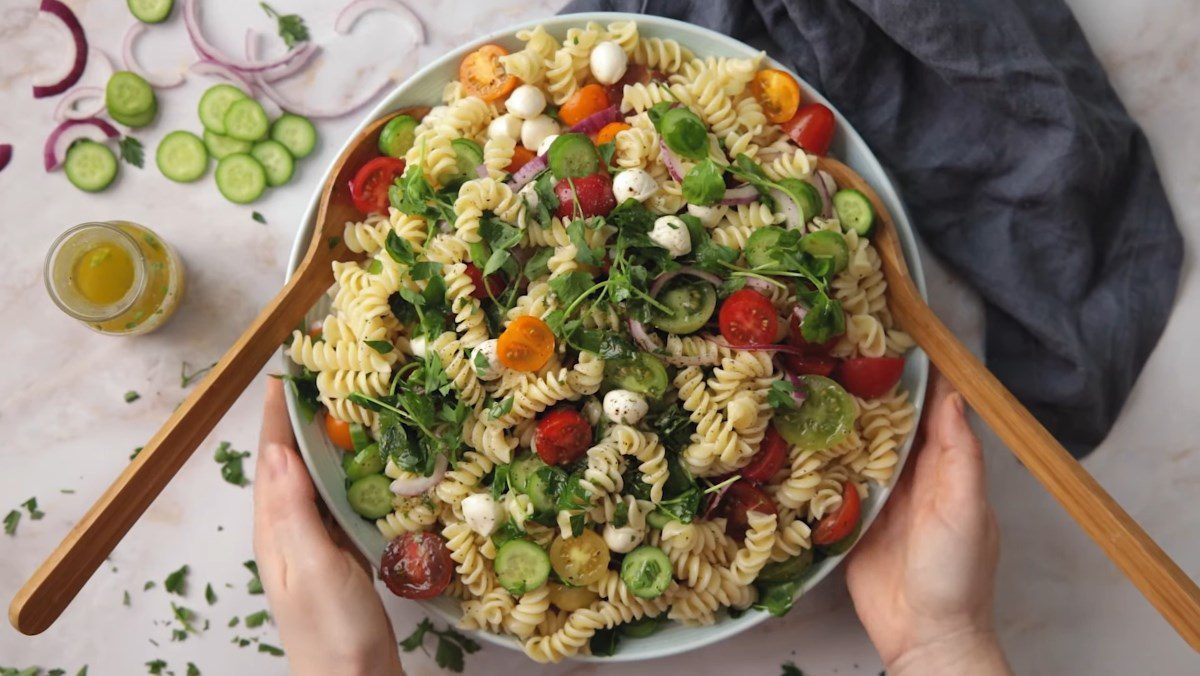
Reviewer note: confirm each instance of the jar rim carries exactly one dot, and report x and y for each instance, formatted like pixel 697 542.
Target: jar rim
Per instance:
pixel 126 241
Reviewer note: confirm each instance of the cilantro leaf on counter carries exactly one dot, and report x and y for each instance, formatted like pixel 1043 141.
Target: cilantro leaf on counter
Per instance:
pixel 131 151
pixel 254 586
pixel 270 649
pixel 259 217
pixel 10 522
pixel 176 582
pixel 450 645
pixel 231 464
pixel 132 396
pixel 31 506
pixel 209 595
pixel 291 26
pixel 790 669
pixel 186 378
pixel 256 620
pixel 156 667
pixel 192 670
pixel 135 452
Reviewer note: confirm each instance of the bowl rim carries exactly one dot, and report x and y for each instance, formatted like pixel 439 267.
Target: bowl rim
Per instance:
pixel 695 637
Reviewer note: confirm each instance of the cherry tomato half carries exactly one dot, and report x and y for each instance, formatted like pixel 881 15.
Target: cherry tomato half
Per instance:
pixel 495 283
pixel 839 524
pixel 809 364
pixel 796 339
pixel 571 598
pixel 339 432
pixel 870 377
pixel 526 345
pixel 747 318
pixel 520 157
pixel 770 458
pixel 416 565
pixel 812 128
pixel 635 73
pixel 594 192
pixel 609 132
pixel 741 498
pixel 584 103
pixel 484 76
pixel 777 92
pixel 580 561
pixel 369 189
pixel 562 436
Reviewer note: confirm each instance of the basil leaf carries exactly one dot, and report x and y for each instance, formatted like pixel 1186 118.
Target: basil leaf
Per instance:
pixel 704 185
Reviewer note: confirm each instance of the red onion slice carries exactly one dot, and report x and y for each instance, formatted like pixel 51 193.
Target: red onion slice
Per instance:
pixel 205 67
pixel 207 51
pixel 284 72
pixel 642 337
pixel 763 347
pixel 798 313
pixel 665 277
pixel 66 110
pixel 823 191
pixel 670 161
pixel 760 285
pixel 799 394
pixel 743 194
pixel 596 121
pixel 78 61
pixel 71 131
pixel 826 181
pixel 420 484
pixel 160 80
pixel 481 171
pixel 6 153
pixel 351 12
pixel 785 203
pixel 299 107
pixel 526 173
pixel 714 501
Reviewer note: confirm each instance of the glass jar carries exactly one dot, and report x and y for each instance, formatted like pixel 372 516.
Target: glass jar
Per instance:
pixel 116 277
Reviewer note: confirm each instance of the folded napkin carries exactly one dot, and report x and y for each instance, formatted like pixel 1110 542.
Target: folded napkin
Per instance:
pixel 1020 167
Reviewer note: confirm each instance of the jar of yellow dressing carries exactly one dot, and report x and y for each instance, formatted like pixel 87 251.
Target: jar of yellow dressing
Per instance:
pixel 117 277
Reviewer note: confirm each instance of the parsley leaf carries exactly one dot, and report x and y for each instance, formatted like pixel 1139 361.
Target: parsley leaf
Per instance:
pixel 291 26
pixel 192 670
pixel 132 396
pixel 415 639
pixel 254 586
pixel 704 184
pixel 156 667
pixel 270 649
pixel 259 217
pixel 30 506
pixel 604 642
pixel 176 582
pixel 255 620
pixel 131 151
pixel 231 464
pixel 501 408
pixel 781 395
pixel 790 669
pixel 209 595
pixel 186 378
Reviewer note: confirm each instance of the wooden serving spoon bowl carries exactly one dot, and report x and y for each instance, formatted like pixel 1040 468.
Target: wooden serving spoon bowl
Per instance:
pixel 1159 579
pixel 60 577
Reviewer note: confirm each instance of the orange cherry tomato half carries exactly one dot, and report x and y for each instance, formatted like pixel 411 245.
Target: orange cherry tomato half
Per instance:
pixel 416 565
pixel 369 189
pixel 777 92
pixel 339 432
pixel 839 524
pixel 484 76
pixel 526 345
pixel 609 132
pixel 520 157
pixel 583 103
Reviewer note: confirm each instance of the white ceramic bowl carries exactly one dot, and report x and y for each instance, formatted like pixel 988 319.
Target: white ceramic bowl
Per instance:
pixel 425 87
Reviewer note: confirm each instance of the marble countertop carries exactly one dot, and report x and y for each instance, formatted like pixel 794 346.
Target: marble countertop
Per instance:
pixel 1061 606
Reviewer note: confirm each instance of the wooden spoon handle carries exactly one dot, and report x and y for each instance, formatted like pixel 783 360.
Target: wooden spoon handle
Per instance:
pixel 60 577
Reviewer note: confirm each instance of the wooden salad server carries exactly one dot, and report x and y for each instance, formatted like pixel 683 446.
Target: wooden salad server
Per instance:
pixel 60 577
pixel 1160 580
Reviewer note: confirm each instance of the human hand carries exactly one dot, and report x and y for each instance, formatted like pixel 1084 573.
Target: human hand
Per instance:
pixel 923 577
pixel 330 619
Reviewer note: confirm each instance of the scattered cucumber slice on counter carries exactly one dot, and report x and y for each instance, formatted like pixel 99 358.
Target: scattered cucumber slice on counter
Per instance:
pixel 276 161
pixel 221 146
pixel 240 178
pixel 90 166
pixel 130 100
pixel 397 136
pixel 646 572
pixel 181 156
pixel 296 133
pixel 246 120
pixel 854 210
pixel 522 566
pixel 371 496
pixel 215 103
pixel 150 11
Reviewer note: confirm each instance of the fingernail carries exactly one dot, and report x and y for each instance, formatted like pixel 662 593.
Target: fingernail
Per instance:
pixel 275 458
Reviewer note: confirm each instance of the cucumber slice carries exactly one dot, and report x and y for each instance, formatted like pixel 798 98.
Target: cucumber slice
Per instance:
pixel 827 244
pixel 221 146
pixel 523 469
pixel 397 136
pixel 296 134
pixel 359 438
pixel 854 210
pixel 215 103
pixel 469 156
pixel 657 519
pixel 643 374
pixel 240 178
pixel 276 160
pixel 646 572
pixel 805 195
pixel 823 421
pixel 759 249
pixel 691 303
pixel 90 166
pixel 181 156
pixel 150 11
pixel 521 566
pixel 371 496
pixel 246 120
pixel 540 487
pixel 363 463
pixel 573 156
pixel 130 99
pixel 788 570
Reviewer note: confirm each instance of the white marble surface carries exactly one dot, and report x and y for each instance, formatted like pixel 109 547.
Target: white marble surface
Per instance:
pixel 1062 608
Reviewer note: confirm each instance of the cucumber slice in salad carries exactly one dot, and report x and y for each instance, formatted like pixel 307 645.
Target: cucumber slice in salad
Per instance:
pixel 855 211
pixel 827 244
pixel 522 470
pixel 246 120
pixel 296 133
pixel 371 496
pixel 760 246
pixel 221 146
pixel 646 572
pixel 573 156
pixel 150 11
pixel 397 136
pixel 215 103
pixel 181 157
pixel 90 166
pixel 521 566
pixel 240 178
pixel 276 160
pixel 130 100
pixel 363 463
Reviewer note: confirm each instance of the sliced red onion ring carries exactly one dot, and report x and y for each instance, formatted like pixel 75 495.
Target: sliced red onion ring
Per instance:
pixel 420 484
pixel 78 61
pixel 830 186
pixel 714 501
pixel 284 72
pixel 799 394
pixel 596 121
pixel 785 203
pixel 6 153
pixel 760 285
pixel 826 203
pixel 71 131
pixel 207 51
pixel 665 277
pixel 481 171
pixel 642 337
pixel 743 194
pixel 160 80
pixel 66 110
pixel 799 312
pixel 351 12
pixel 670 161
pixel 205 67
pixel 526 173
pixel 762 347
pixel 101 57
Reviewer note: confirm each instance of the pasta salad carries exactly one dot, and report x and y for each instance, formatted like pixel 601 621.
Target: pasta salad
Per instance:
pixel 616 352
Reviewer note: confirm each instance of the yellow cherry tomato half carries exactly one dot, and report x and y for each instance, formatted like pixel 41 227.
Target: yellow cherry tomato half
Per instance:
pixel 484 76
pixel 777 92
pixel 526 345
pixel 580 561
pixel 571 598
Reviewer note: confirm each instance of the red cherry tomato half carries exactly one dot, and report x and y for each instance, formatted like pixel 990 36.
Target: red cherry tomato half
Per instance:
pixel 635 73
pixel 796 339
pixel 839 524
pixel 811 128
pixel 870 377
pixel 416 565
pixel 562 436
pixel 770 458
pixel 809 364
pixel 594 192
pixel 495 283
pixel 747 318
pixel 369 189
pixel 741 498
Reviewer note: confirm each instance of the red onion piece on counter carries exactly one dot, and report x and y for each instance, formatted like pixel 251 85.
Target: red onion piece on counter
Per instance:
pixel 743 194
pixel 160 80
pixel 207 51
pixel 526 173
pixel 66 110
pixel 78 60
pixel 6 153
pixel 71 131
pixel 351 12
pixel 206 67
pixel 596 121
pixel 791 211
pixel 420 484
pixel 674 168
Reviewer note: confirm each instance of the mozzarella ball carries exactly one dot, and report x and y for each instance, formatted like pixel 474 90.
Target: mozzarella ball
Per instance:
pixel 418 345
pixel 671 233
pixel 505 126
pixel 544 146
pixel 608 62
pixel 481 513
pixel 624 539
pixel 486 361
pixel 635 183
pixel 709 216
pixel 625 407
pixel 526 102
pixel 535 130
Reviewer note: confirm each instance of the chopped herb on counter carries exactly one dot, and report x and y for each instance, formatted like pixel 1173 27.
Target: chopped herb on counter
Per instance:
pixel 291 26
pixel 259 217
pixel 231 464
pixel 132 396
pixel 186 378
pixel 176 582
pixel 131 151
pixel 450 645
pixel 10 522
